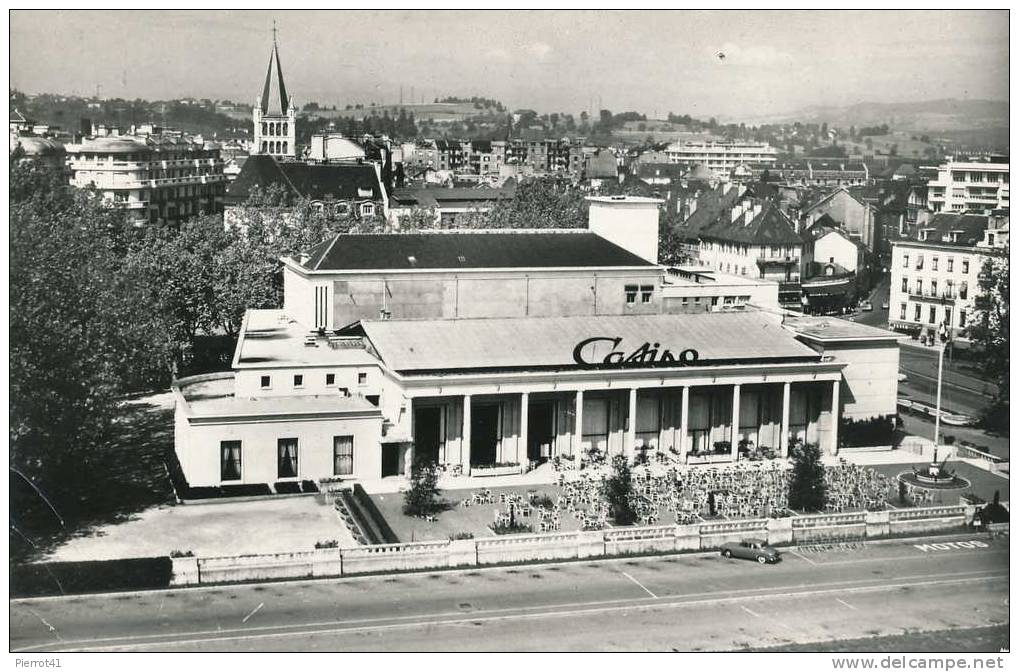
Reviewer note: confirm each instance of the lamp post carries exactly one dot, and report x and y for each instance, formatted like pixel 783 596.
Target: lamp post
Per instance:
pixel 943 337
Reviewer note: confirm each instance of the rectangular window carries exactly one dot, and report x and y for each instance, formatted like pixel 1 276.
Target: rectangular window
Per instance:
pixel 645 293
pixel 902 311
pixel 919 262
pixel 266 382
pixel 951 262
pixel 905 261
pixel 362 378
pixel 916 312
pixel 343 455
pixel 934 263
pixel 934 287
pixel 932 315
pixel 963 290
pixel 948 316
pixel 229 460
pixel 321 307
pixel 631 294
pixel 965 265
pixel 919 287
pixel 962 319
pixel 287 453
pixel 298 380
pixel 905 285
pixel 330 379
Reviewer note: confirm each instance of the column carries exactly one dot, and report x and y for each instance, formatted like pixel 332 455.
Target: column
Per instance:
pixel 784 434
pixel 835 416
pixel 630 439
pixel 522 444
pixel 684 423
pixel 465 436
pixel 734 448
pixel 578 427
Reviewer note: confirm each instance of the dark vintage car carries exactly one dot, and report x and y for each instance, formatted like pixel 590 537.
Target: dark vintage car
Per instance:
pixel 751 549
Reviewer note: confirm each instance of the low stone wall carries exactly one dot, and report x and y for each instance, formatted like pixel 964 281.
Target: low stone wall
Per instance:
pixel 567 545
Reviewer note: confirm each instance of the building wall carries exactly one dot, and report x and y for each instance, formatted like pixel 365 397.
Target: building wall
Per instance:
pixel 902 305
pixel 969 186
pixel 856 217
pixel 200 451
pixel 632 226
pixel 248 382
pixel 741 259
pixel 837 248
pixel 702 297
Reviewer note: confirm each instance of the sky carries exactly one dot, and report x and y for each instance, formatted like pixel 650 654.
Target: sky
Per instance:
pixel 649 61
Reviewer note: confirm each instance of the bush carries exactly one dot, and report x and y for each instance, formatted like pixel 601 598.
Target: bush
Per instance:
pixel 308 486
pixel 618 491
pixel 512 528
pixel 287 487
pixel 543 501
pixel 878 431
pixel 457 536
pixel 246 490
pixel 182 554
pixel 422 498
pixel 806 487
pixel 57 578
pixel 723 447
pixel 205 492
pixel 331 543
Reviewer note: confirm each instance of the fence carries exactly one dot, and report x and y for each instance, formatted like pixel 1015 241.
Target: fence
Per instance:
pixel 567 545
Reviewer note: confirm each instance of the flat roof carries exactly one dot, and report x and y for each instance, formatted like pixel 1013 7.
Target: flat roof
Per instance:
pixel 551 342
pixel 269 339
pixel 714 279
pixel 213 398
pixel 836 329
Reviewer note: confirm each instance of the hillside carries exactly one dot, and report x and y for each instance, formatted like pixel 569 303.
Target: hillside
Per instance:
pixel 934 116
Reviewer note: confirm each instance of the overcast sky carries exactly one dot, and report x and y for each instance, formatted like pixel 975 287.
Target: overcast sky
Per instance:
pixel 775 61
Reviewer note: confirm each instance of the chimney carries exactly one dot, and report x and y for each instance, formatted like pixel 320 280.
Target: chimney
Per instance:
pixel 735 213
pixel 631 222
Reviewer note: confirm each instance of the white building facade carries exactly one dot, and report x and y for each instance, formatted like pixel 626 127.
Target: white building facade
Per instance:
pixel 963 186
pixel 722 157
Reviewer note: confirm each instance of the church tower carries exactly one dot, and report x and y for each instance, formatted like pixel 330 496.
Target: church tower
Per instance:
pixel 275 113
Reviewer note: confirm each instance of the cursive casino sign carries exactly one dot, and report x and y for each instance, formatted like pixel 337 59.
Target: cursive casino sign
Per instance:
pixel 590 353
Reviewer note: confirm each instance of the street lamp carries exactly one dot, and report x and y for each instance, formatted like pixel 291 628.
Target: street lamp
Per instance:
pixel 944 336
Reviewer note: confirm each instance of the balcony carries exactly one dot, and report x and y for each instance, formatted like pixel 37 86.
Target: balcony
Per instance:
pixel 945 296
pixel 777 261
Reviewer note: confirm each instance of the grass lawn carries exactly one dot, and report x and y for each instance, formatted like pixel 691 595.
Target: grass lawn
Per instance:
pixel 992 639
pixel 474 519
pixel 982 483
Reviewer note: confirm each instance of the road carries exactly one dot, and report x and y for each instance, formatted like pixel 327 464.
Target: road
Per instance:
pixel 694 602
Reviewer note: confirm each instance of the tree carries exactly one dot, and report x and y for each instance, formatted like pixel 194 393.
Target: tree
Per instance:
pixel 619 491
pixel 536 204
pixel 422 497
pixel 989 337
pixel 806 487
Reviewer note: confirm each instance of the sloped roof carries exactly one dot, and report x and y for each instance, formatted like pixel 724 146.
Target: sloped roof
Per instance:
pixel 436 197
pixel 549 342
pixel 832 194
pixel 769 227
pixel 970 227
pixel 710 205
pixel 317 181
pixel 274 99
pixel 701 172
pixel 515 248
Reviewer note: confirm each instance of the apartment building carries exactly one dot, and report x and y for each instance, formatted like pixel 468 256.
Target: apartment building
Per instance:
pixel 722 157
pixel 935 276
pixel 969 186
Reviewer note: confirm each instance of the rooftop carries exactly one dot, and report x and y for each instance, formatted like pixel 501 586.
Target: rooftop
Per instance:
pixel 317 181
pixel 549 343
pixel 270 339
pixel 702 276
pixel 215 398
pixel 452 249
pixel 766 226
pixel 835 329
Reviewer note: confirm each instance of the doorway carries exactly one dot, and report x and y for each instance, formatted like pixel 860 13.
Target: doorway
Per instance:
pixel 484 433
pixel 427 434
pixel 541 430
pixel 391 459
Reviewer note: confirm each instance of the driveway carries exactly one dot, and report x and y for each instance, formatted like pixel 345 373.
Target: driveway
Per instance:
pixel 228 528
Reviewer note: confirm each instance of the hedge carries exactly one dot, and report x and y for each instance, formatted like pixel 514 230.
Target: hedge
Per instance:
pixel 287 487
pixel 57 578
pixel 878 431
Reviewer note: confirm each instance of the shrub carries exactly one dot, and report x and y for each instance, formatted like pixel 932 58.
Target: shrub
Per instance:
pixel 543 501
pixel 723 447
pixel 57 578
pixel 878 431
pixel 246 490
pixel 456 536
pixel 618 492
pixel 948 439
pixel 806 487
pixel 308 486
pixel 331 543
pixel 287 487
pixel 512 528
pixel 182 554
pixel 422 497
pixel 204 492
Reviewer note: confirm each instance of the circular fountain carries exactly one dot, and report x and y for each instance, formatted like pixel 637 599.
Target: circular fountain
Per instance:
pixel 934 476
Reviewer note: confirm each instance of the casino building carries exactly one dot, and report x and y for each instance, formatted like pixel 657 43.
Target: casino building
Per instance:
pixel 510 348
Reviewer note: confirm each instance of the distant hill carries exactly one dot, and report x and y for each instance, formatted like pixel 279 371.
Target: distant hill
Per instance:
pixel 934 116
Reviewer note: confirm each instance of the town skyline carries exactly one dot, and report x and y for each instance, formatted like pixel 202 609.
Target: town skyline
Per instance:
pixel 526 59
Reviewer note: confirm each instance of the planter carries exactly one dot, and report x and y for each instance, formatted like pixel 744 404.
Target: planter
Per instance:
pixel 510 470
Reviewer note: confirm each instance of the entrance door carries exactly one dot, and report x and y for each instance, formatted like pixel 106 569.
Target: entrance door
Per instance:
pixel 540 430
pixel 427 434
pixel 484 433
pixel 391 459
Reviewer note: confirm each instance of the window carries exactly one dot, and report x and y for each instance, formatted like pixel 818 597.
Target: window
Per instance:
pixel 965 265
pixel 934 287
pixel 645 293
pixel 727 300
pixel 963 290
pixel 919 287
pixel 697 299
pixel 990 239
pixel 951 262
pixel 962 319
pixel 916 313
pixel 362 378
pixel 367 209
pixel 330 379
pixel 229 460
pixel 932 315
pixel 905 285
pixel 631 294
pixel 287 452
pixel 266 382
pixel 686 300
pixel 919 262
pixel 902 311
pixel 948 316
pixel 343 455
pixel 298 380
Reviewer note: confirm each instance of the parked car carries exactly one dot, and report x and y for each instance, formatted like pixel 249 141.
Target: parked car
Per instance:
pixel 751 549
pixel 866 306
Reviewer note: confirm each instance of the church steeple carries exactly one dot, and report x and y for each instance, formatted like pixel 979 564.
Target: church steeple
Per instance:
pixel 274 93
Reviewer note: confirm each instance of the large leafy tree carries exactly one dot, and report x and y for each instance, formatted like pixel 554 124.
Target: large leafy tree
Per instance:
pixel 536 204
pixel 988 333
pixel 619 492
pixel 806 488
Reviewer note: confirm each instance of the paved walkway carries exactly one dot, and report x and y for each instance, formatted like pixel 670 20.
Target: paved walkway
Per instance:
pixel 541 476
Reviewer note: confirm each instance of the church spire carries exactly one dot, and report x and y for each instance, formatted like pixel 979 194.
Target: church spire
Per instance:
pixel 274 99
